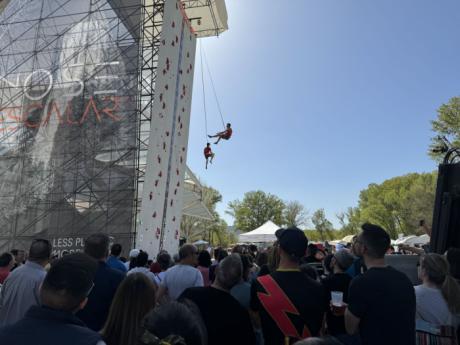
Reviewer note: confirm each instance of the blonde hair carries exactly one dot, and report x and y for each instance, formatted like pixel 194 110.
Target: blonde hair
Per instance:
pixel 437 270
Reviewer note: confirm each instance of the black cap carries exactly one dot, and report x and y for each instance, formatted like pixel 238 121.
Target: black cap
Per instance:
pixel 73 273
pixel 293 241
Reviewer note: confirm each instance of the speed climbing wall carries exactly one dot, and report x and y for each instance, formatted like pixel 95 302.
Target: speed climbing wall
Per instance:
pixel 161 210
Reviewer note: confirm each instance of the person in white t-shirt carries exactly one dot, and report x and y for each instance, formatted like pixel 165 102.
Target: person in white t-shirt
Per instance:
pixel 182 276
pixel 438 298
pixel 141 266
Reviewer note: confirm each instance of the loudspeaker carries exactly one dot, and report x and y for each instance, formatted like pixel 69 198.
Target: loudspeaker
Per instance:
pixel 446 215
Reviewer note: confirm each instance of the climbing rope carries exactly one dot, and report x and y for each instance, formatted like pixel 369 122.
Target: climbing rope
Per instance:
pixel 213 88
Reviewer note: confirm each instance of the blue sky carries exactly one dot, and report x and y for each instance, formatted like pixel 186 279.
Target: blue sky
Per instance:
pixel 325 96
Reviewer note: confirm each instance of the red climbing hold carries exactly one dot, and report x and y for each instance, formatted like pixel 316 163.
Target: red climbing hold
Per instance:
pixel 156 183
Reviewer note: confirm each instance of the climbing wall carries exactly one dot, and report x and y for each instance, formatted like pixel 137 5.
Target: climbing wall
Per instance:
pixel 162 194
pixel 181 131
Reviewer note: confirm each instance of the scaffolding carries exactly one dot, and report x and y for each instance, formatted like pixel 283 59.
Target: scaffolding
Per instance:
pixel 76 91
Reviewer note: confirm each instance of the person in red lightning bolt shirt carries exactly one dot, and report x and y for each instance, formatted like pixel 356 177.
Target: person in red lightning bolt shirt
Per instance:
pixel 208 154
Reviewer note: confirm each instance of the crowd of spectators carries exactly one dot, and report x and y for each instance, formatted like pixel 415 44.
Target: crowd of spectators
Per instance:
pixel 293 292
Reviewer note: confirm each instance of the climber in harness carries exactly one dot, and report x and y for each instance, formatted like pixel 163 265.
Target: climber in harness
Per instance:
pixel 208 154
pixel 227 134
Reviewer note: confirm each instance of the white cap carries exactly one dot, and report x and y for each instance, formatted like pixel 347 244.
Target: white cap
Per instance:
pixel 134 253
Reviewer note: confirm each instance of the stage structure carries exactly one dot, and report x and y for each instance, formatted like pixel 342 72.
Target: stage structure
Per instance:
pixel 94 114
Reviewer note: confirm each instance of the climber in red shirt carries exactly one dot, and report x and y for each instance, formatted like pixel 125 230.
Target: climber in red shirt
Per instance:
pixel 208 154
pixel 227 134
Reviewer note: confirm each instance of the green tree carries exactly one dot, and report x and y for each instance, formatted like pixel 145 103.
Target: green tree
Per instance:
pixel 313 235
pixel 295 214
pixel 447 124
pixel 322 225
pixel 350 221
pixel 399 203
pixel 256 208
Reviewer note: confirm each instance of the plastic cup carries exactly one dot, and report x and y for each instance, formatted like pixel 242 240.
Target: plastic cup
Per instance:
pixel 337 298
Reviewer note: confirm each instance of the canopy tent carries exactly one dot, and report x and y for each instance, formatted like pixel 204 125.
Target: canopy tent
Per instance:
pixel 264 233
pixel 348 239
pixel 193 204
pixel 413 240
pixel 200 243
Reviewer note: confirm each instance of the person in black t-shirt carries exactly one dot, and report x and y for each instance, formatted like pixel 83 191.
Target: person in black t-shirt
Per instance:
pixel 381 302
pixel 227 322
pixel 338 281
pixel 287 303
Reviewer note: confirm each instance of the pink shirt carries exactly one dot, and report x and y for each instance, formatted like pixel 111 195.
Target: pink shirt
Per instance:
pixel 205 273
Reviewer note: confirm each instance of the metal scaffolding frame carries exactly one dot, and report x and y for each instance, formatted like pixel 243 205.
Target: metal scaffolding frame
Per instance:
pixel 94 185
pixel 149 52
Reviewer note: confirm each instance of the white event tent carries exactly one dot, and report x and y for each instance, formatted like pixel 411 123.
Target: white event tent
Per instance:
pixel 264 233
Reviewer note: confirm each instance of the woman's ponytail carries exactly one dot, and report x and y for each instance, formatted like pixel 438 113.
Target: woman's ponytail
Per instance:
pixel 436 268
pixel 451 291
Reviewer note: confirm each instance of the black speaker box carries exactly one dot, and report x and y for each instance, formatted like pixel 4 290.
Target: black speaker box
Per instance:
pixel 446 216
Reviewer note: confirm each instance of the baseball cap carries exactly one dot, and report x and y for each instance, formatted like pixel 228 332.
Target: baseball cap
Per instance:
pixel 134 253
pixel 344 259
pixel 293 241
